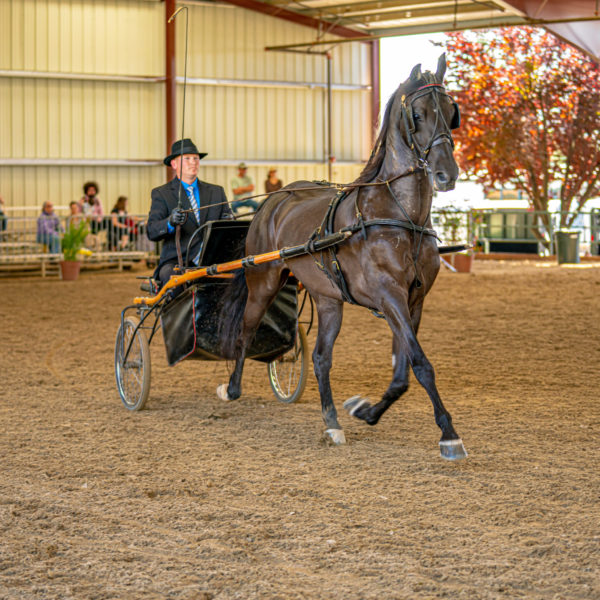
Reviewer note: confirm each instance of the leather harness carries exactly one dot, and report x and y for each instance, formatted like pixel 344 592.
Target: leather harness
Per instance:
pixel 326 228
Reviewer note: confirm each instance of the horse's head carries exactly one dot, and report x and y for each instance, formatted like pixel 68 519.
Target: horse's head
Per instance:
pixel 426 114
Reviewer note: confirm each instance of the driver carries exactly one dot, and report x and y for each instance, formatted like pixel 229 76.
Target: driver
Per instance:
pixel 207 201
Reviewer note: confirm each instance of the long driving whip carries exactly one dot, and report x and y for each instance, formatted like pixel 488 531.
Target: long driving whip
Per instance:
pixel 178 227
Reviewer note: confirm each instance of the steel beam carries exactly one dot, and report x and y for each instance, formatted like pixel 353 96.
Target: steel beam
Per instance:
pixel 294 17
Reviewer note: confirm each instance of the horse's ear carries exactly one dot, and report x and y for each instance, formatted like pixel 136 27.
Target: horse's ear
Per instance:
pixel 415 74
pixel 441 68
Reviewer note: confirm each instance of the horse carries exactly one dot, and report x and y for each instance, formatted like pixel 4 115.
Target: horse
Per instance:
pixel 388 263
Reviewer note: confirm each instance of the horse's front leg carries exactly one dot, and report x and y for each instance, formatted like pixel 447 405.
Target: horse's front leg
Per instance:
pixel 397 313
pixel 329 314
pixel 398 316
pixel 360 407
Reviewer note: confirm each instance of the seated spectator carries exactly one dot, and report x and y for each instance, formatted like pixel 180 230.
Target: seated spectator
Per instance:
pixel 273 183
pixel 242 187
pixel 3 219
pixel 49 228
pixel 121 227
pixel 91 206
pixel 75 215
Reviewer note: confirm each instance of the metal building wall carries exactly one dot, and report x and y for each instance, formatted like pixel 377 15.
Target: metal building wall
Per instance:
pixel 244 103
pixel 65 116
pixel 81 97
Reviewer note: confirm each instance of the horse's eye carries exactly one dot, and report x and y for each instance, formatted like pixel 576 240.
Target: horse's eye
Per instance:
pixel 416 116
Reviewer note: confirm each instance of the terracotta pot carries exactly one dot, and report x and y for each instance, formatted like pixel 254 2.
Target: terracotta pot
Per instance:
pixel 69 269
pixel 462 262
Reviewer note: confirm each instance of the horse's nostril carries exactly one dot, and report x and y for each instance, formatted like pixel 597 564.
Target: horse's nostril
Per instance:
pixel 441 177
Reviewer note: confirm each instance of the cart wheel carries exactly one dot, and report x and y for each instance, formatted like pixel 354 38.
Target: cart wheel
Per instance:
pixel 288 373
pixel 133 376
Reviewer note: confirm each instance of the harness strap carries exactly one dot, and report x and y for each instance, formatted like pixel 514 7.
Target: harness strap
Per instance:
pixel 392 223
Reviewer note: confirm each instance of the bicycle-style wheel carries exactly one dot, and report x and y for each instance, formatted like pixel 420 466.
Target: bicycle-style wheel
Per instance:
pixel 133 374
pixel 288 373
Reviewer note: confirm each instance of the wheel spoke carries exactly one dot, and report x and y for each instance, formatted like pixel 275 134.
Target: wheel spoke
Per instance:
pixel 287 374
pixel 132 367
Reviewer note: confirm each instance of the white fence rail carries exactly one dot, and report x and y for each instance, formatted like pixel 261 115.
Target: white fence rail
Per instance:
pixel 35 241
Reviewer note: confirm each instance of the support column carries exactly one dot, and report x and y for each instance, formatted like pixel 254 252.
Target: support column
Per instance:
pixel 375 90
pixel 330 157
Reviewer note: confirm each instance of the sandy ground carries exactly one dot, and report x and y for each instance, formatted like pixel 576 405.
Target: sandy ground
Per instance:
pixel 193 498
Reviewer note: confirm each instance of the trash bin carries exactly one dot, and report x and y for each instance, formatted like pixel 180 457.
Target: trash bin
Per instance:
pixel 567 246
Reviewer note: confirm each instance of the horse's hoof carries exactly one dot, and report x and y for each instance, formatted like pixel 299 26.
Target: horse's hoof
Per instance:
pixel 354 403
pixel 452 449
pixel 335 436
pixel 222 392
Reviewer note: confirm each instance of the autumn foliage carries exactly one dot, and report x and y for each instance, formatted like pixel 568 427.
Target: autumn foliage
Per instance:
pixel 530 114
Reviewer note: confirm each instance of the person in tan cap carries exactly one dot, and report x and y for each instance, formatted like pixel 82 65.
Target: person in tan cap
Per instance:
pixel 242 187
pixel 273 183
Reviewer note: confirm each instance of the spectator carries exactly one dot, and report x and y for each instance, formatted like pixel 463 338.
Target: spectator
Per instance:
pixel 242 187
pixel 201 202
pixel 75 215
pixel 49 228
pixel 272 184
pixel 3 219
pixel 91 206
pixel 120 226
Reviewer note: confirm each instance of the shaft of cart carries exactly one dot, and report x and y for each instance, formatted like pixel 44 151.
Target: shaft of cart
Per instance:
pixel 247 261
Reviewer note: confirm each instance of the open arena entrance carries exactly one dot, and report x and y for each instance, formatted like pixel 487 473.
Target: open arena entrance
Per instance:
pixel 194 498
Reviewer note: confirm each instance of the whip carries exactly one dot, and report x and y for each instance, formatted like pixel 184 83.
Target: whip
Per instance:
pixel 179 204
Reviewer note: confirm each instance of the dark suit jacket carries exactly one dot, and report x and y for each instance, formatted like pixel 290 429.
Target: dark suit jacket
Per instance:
pixel 213 206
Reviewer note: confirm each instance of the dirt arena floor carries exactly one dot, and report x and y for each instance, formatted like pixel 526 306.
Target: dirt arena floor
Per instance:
pixel 193 498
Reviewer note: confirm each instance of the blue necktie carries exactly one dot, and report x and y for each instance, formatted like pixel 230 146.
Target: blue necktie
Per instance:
pixel 196 209
pixel 193 203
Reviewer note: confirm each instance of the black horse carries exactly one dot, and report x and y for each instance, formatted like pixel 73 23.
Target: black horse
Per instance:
pixel 388 263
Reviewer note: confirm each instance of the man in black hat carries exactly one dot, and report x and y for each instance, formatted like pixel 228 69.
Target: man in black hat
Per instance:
pixel 206 201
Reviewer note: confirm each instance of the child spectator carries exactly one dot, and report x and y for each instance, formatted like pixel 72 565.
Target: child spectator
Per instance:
pixel 75 215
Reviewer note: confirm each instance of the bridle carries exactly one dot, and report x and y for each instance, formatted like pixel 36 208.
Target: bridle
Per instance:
pixel 441 131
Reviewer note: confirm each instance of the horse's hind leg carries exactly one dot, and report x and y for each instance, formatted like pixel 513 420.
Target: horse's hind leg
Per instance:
pixel 261 291
pixel 330 321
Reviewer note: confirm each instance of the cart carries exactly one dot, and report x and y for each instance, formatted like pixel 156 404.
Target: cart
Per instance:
pixel 190 320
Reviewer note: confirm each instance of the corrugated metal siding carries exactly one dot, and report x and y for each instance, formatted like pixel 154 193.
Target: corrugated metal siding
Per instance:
pixel 82 36
pixel 53 118
pixel 50 118
pixel 30 186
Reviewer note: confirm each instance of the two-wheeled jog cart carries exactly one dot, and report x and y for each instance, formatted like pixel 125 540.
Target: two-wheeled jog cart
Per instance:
pixel 190 321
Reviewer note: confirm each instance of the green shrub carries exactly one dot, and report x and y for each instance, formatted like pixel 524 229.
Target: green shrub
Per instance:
pixel 73 240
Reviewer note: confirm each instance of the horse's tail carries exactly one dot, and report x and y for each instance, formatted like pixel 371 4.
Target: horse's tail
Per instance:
pixel 231 314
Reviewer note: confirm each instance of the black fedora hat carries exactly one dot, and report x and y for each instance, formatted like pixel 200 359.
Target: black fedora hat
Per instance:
pixel 188 147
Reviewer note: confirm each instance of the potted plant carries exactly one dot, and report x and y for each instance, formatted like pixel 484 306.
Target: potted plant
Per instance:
pixel 72 245
pixel 451 220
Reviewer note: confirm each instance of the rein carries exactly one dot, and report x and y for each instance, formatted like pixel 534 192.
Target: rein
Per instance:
pixel 323 185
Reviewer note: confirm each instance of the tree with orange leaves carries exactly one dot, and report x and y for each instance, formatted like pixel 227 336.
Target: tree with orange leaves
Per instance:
pixel 530 115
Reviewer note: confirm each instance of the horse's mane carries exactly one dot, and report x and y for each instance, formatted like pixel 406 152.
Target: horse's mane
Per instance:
pixel 378 153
